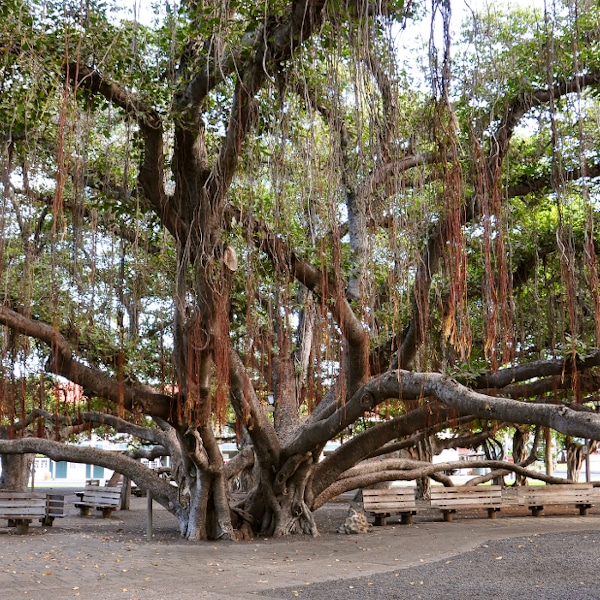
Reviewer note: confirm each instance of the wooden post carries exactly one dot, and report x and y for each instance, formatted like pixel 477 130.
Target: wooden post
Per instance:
pixel 149 519
pixel 548 458
pixel 588 473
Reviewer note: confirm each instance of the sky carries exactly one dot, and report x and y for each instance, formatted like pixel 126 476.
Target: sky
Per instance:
pixel 142 9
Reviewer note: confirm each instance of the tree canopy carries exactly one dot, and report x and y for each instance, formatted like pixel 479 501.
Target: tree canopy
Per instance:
pixel 373 217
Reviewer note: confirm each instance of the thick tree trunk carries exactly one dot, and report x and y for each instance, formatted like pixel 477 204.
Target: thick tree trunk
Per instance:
pixel 294 515
pixel 575 457
pixel 424 452
pixel 278 506
pixel 520 451
pixel 16 469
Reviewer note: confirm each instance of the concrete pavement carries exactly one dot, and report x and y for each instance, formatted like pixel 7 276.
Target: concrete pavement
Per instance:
pixel 94 558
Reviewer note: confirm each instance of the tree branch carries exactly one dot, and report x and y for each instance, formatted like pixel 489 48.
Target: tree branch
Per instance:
pixel 151 174
pixel 273 43
pixel 406 385
pixel 523 103
pixel 321 284
pixel 364 444
pixel 144 477
pixel 500 141
pixel 536 369
pixel 94 382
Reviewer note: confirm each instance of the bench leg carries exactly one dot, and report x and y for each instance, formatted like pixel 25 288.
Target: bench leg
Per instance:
pixel 406 518
pixel 107 513
pixel 492 512
pixel 536 511
pixel 47 521
pixel 380 520
pixel 84 511
pixel 448 515
pixel 583 508
pixel 22 527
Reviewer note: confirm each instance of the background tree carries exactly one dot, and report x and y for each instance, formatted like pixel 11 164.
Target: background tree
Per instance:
pixel 239 201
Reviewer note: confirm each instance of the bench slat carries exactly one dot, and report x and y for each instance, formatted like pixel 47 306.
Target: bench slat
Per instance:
pixel 388 500
pixel 23 510
pixel 403 491
pixel 467 503
pixel 24 502
pixel 8 495
pixel 388 506
pixel 99 499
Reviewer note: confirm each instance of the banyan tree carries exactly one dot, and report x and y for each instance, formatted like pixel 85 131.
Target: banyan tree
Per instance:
pixel 303 220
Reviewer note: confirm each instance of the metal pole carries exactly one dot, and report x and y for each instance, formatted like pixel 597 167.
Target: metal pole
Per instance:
pixel 149 520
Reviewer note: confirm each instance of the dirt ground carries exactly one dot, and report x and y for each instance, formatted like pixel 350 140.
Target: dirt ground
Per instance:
pixel 91 557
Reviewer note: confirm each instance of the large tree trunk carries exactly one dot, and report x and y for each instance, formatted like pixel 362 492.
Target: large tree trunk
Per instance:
pixel 520 451
pixel 424 453
pixel 575 457
pixel 276 507
pixel 16 469
pixel 494 451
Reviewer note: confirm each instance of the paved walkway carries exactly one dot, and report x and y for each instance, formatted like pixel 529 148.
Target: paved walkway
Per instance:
pixel 94 558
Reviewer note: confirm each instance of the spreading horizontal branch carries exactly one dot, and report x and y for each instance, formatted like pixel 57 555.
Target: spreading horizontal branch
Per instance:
pixel 407 385
pixel 93 381
pixel 535 369
pixel 144 477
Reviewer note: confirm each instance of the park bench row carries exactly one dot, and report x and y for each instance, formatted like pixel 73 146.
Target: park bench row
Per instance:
pixel 21 508
pixel 382 503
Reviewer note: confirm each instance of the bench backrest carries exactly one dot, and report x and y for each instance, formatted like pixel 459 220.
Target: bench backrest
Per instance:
pixel 22 504
pixel 475 495
pixel 558 493
pixel 55 505
pixel 389 499
pixel 109 496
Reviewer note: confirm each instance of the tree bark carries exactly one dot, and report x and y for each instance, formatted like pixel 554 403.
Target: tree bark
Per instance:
pixel 16 469
pixel 575 456
pixel 520 451
pixel 424 452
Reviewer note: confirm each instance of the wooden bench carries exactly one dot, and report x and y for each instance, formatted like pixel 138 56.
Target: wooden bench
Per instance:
pixel 382 503
pixel 450 499
pixel 105 499
pixel 55 507
pixel 535 497
pixel 20 508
